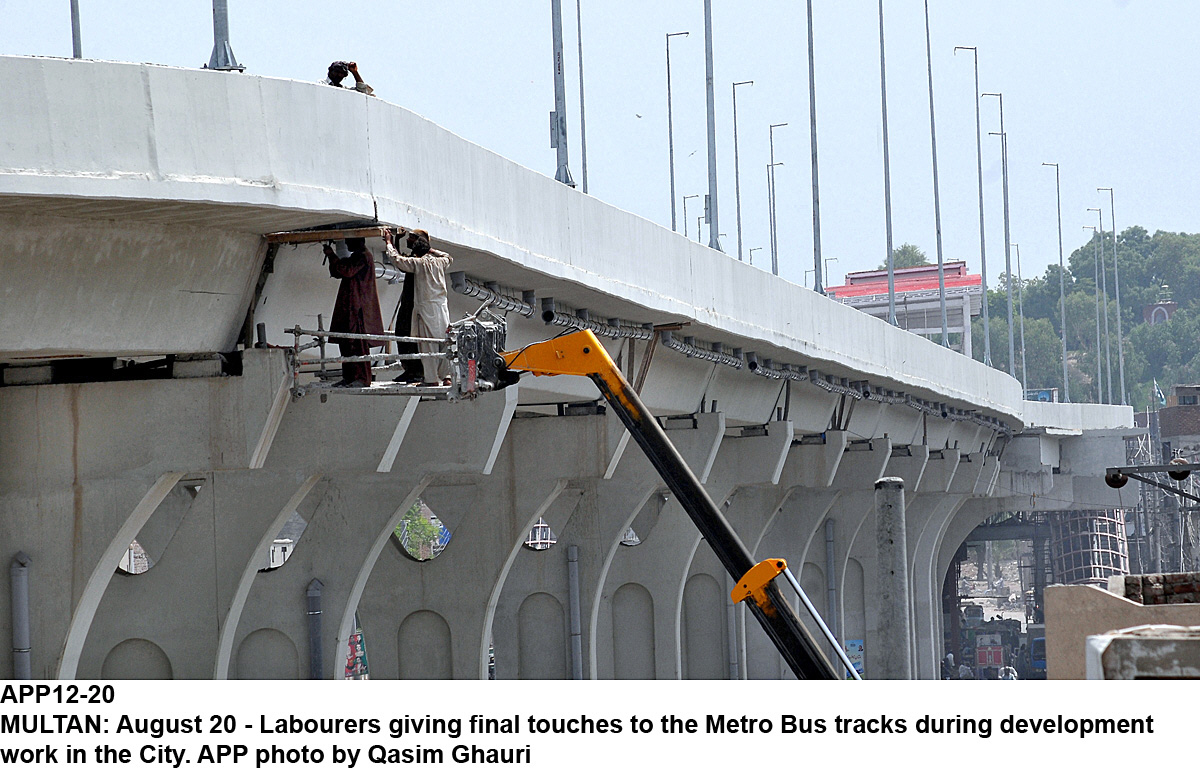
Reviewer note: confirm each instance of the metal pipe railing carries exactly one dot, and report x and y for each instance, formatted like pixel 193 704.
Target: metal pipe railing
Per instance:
pixel 812 611
pixel 297 331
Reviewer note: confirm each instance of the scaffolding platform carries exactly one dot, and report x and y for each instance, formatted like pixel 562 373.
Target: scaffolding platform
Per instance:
pixel 377 388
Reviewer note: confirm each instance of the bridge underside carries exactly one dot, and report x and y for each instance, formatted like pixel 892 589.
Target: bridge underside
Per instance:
pixel 203 472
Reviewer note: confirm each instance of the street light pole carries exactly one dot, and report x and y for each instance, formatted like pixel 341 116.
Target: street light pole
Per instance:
pixel 771 199
pixel 1104 286
pixel 76 38
pixel 987 327
pixel 671 132
pixel 1117 279
pixel 714 239
pixel 222 57
pixel 818 285
pixel 937 202
pixel 887 177
pixel 685 199
pixel 751 254
pixel 558 119
pixel 1062 283
pixel 1012 369
pixel 1021 312
pixel 737 171
pixel 582 125
pixel 1096 283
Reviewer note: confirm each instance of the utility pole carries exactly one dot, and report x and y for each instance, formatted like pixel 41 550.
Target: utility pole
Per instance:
pixel 558 119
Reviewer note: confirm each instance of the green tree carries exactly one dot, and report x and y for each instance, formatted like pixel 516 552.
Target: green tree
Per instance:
pixel 419 530
pixel 907 255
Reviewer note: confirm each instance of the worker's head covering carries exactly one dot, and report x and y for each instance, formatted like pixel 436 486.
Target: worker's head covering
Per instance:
pixel 412 242
pixel 356 244
pixel 337 72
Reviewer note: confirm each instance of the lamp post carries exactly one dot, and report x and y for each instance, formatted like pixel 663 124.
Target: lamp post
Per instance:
pixel 1112 213
pixel 771 199
pixel 1021 313
pixel 76 38
pixel 1062 283
pixel 987 327
pixel 685 199
pixel 818 286
pixel 1096 281
pixel 1012 369
pixel 671 132
pixel 751 254
pixel 714 240
pixel 222 54
pixel 771 204
pixel 582 125
pixel 937 202
pixel 558 118
pixel 887 177
pixel 827 275
pixel 737 171
pixel 1104 287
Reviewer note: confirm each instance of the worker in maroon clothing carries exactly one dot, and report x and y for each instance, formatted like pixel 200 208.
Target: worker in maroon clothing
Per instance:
pixel 356 310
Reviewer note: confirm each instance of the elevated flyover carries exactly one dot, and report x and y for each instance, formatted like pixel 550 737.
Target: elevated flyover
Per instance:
pixel 134 201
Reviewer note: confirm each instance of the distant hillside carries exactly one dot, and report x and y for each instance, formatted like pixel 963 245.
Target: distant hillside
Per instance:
pixel 1152 267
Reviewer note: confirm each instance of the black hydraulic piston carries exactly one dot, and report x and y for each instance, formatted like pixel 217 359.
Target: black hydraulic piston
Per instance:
pixel 581 354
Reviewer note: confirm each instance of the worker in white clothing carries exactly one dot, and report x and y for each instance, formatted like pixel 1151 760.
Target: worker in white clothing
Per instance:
pixel 409 250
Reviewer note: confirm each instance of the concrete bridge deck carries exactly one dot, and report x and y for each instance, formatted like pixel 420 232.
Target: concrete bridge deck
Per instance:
pixel 134 200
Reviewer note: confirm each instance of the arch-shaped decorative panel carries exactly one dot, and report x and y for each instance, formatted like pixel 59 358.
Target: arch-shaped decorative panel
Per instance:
pixel 423 647
pixel 136 659
pixel 704 641
pixel 268 654
pixel 633 632
pixel 542 638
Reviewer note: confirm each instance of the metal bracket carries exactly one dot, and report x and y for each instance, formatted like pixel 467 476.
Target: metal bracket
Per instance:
pixel 753 583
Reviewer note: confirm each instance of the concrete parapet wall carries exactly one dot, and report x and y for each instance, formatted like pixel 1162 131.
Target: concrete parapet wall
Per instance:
pixel 1074 612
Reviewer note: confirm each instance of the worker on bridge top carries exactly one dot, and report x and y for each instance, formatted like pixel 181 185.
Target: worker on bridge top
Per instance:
pixel 338 72
pixel 431 312
pixel 356 310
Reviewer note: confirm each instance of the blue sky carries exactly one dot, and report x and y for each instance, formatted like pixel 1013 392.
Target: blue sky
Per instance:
pixel 1105 88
